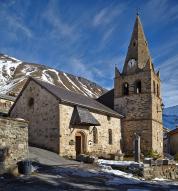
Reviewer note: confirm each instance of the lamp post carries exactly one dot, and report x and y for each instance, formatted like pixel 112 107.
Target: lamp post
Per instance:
pixel 162 108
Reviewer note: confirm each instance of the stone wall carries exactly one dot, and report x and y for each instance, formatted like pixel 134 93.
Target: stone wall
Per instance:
pixel 68 132
pixel 13 142
pixel 169 171
pixel 40 108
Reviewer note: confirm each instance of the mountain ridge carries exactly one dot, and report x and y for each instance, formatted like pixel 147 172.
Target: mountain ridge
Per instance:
pixel 170 117
pixel 14 73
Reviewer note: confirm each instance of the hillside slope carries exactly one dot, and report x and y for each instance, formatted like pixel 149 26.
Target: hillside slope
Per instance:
pixel 14 73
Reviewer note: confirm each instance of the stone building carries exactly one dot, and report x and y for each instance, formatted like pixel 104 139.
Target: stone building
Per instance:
pixel 5 103
pixel 13 142
pixel 137 95
pixel 173 141
pixel 66 122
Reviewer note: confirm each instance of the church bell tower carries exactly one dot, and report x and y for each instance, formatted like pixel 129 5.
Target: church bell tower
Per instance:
pixel 137 96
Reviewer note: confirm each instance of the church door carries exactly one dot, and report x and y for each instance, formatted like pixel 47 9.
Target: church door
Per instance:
pixel 79 143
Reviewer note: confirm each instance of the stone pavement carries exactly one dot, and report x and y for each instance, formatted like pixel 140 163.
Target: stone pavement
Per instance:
pixel 48 158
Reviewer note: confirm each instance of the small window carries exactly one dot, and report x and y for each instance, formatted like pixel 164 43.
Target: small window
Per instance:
pixel 154 87
pixel 158 90
pixel 31 102
pixel 95 135
pixel 125 88
pixel 109 118
pixel 138 87
pixel 110 136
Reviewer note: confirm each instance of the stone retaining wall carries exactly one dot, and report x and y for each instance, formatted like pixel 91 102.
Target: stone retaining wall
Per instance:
pixel 13 142
pixel 160 169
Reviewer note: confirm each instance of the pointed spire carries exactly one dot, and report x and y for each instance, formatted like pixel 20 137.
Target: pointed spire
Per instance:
pixel 117 73
pixel 138 47
pixel 158 73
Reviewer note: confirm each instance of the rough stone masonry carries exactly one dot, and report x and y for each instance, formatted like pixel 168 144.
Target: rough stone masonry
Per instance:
pixel 13 142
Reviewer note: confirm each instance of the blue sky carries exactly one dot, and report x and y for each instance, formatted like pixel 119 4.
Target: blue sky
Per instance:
pixel 88 37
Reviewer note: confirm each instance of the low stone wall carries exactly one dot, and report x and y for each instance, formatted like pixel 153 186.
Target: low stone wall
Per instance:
pixel 160 169
pixel 13 142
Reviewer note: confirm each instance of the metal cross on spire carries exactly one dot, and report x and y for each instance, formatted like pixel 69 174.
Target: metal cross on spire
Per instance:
pixel 138 11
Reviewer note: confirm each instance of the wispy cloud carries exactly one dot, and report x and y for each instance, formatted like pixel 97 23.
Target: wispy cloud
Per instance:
pixel 169 73
pixel 16 24
pixel 107 34
pixel 80 68
pixel 162 11
pixel 59 27
pixel 107 14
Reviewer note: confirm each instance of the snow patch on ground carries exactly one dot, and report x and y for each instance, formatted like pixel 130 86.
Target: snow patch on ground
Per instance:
pixel 58 78
pixel 119 181
pixel 74 85
pixel 28 70
pixel 119 163
pixel 46 77
pixel 90 93
pixel 77 172
pixel 8 66
pixel 7 69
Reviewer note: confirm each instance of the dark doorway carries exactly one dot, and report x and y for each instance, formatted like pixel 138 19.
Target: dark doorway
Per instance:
pixel 80 143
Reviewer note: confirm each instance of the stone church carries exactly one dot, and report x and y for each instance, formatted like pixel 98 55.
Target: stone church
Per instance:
pixel 69 123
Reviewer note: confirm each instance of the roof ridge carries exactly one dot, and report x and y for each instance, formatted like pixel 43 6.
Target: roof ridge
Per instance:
pixel 72 99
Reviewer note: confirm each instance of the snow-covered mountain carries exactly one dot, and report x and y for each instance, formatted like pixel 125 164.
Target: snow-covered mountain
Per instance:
pixel 170 117
pixel 14 73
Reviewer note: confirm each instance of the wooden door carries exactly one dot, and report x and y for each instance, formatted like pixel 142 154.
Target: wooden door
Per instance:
pixel 78 145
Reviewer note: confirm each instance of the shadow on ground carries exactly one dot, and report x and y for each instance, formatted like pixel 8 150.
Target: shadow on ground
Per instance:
pixel 73 178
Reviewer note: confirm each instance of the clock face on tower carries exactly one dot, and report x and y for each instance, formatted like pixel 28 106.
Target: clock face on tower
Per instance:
pixel 131 63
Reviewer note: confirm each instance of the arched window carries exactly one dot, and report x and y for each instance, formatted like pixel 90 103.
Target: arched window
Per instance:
pixel 154 87
pixel 158 90
pixel 31 102
pixel 95 135
pixel 110 136
pixel 138 87
pixel 125 88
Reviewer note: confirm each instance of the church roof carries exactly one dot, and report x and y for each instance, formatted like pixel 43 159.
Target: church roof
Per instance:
pixel 172 132
pixel 138 47
pixel 69 97
pixel 82 116
pixel 107 99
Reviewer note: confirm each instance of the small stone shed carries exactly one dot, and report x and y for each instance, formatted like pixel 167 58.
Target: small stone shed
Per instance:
pixel 13 142
pixel 66 122
pixel 173 141
pixel 5 104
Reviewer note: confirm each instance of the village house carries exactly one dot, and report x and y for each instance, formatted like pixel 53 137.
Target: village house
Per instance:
pixel 66 122
pixel 173 141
